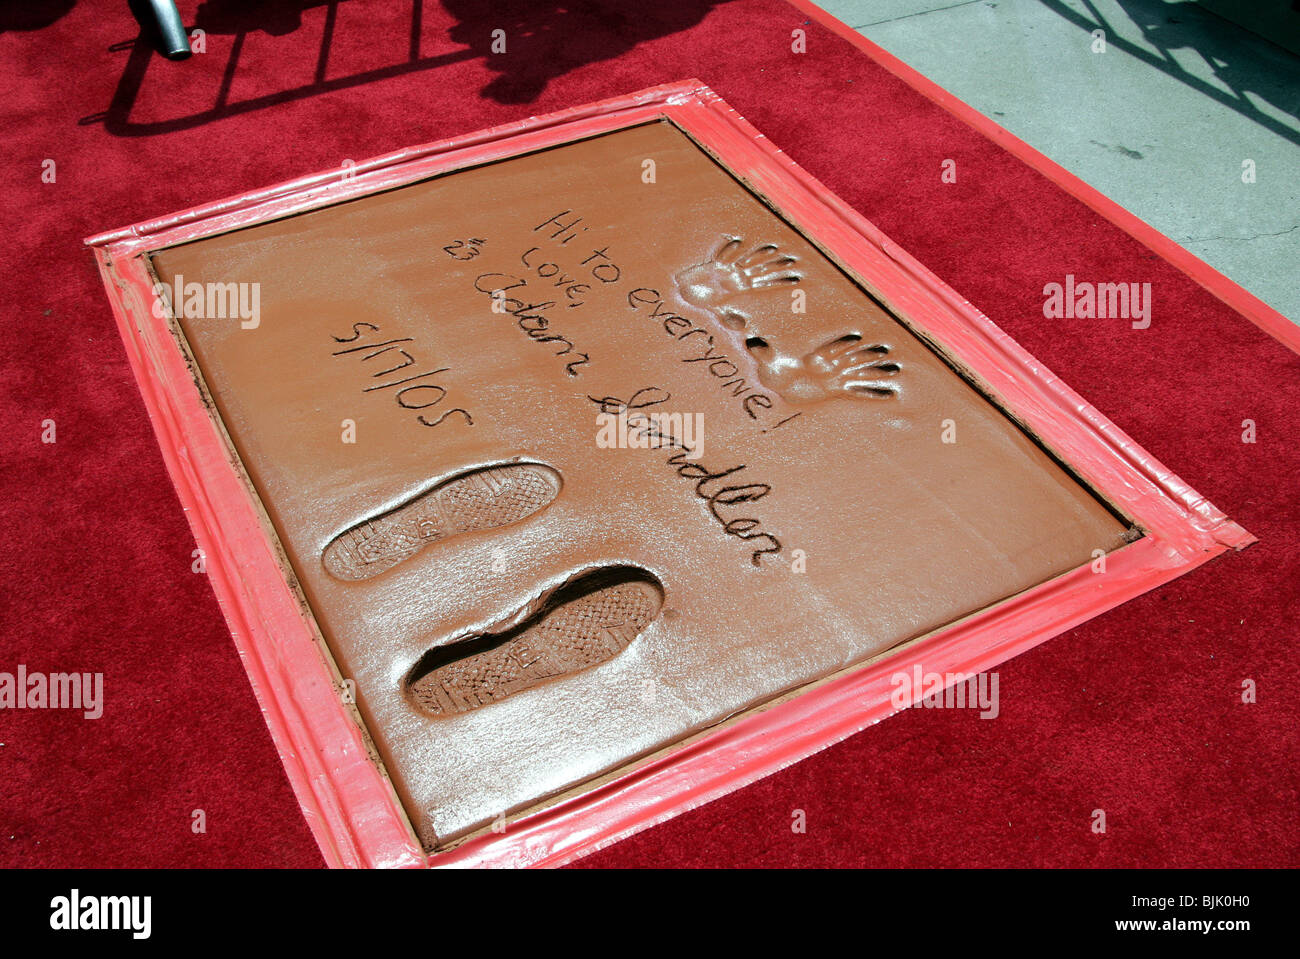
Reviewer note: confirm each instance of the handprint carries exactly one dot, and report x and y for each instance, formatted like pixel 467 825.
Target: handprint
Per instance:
pixel 717 283
pixel 839 367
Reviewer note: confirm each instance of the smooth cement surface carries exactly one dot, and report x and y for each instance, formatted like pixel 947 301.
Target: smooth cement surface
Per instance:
pixel 444 408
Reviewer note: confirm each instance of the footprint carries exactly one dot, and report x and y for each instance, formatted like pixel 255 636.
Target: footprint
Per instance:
pixel 840 367
pixel 477 500
pixel 585 622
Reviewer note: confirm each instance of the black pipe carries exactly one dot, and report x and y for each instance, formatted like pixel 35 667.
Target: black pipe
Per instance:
pixel 174 41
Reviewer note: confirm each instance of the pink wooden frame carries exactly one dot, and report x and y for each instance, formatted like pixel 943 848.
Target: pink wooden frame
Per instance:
pixel 347 800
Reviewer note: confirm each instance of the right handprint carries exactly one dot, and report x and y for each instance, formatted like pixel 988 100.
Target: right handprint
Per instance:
pixel 840 367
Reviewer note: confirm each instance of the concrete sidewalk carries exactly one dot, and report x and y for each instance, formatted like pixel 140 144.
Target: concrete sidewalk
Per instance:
pixel 1162 117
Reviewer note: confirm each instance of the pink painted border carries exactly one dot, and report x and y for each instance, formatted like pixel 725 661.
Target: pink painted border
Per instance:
pixel 348 802
pixel 1238 297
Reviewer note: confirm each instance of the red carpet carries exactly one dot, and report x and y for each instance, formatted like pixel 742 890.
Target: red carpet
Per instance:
pixel 1138 713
